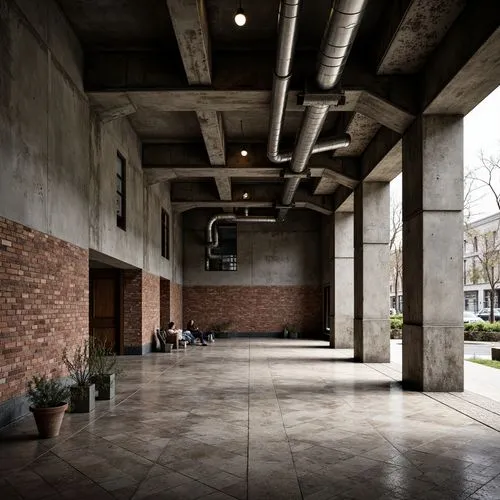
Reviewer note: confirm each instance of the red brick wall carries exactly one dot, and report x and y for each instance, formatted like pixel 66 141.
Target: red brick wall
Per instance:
pixel 164 302
pixel 132 308
pixel 141 309
pixel 44 304
pixel 176 309
pixel 255 309
pixel 150 306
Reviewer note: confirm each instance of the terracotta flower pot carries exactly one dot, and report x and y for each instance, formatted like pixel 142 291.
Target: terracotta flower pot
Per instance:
pixel 49 420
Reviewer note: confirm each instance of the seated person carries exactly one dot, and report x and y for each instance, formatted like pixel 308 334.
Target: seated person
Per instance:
pixel 174 333
pixel 196 332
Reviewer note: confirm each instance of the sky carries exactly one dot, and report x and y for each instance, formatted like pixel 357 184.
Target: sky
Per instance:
pixel 481 133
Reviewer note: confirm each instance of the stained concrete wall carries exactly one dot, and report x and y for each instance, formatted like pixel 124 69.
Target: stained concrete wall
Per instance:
pixel 44 122
pixel 58 159
pixel 286 253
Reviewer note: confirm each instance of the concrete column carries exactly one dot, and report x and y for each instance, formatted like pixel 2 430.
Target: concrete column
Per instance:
pixel 371 273
pixel 433 333
pixel 341 335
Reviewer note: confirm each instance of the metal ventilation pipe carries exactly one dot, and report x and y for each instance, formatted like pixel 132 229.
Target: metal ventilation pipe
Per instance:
pixel 344 21
pixel 287 36
pixel 213 235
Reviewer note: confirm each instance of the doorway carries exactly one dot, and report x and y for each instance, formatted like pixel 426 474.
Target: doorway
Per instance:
pixel 105 307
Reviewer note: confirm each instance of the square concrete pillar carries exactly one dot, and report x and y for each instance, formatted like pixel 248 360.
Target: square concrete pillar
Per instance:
pixel 433 330
pixel 341 335
pixel 371 273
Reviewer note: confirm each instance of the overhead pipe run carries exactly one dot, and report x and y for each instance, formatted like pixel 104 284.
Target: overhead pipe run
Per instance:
pixel 287 36
pixel 343 24
pixel 213 234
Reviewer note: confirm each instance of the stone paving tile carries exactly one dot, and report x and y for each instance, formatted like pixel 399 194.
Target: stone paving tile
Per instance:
pixel 268 419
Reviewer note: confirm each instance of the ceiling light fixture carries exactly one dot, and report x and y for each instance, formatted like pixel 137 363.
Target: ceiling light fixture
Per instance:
pixel 243 150
pixel 239 18
pixel 246 196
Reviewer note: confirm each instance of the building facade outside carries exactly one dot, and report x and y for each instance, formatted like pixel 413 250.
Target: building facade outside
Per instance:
pixel 476 287
pixel 477 290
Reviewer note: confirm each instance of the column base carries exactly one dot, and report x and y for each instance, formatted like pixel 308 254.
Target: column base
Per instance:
pixel 342 334
pixel 433 358
pixel 372 340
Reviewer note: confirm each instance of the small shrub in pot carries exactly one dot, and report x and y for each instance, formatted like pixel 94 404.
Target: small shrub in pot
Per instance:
pixel 103 369
pixel 83 391
pixel 48 400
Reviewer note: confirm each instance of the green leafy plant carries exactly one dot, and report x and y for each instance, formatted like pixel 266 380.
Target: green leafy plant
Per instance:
pixel 47 393
pixel 102 359
pixel 78 364
pixel 396 322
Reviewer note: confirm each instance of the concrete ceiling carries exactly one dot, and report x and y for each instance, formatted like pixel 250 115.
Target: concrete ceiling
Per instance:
pixel 196 88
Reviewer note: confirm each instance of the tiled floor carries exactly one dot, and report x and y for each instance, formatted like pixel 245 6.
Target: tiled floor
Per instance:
pixel 260 419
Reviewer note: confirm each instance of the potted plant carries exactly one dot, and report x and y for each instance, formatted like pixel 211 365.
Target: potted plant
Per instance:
pixel 293 332
pixel 103 369
pixel 83 392
pixel 48 400
pixel 285 332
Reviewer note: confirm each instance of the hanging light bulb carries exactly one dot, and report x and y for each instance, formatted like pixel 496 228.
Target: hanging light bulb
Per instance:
pixel 239 18
pixel 243 150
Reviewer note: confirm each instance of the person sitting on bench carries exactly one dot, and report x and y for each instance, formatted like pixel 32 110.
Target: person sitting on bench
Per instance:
pixel 196 332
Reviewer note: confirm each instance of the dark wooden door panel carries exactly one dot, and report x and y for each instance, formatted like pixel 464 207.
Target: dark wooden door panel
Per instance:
pixel 105 306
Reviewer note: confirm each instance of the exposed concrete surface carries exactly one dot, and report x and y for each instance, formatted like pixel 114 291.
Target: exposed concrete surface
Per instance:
pixel 417 34
pixel 44 124
pixel 342 329
pixel 433 249
pixel 371 272
pixel 286 253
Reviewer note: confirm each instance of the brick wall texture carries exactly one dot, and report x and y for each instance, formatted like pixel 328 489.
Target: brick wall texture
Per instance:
pixel 132 308
pixel 141 307
pixel 44 304
pixel 150 306
pixel 255 309
pixel 176 308
pixel 164 302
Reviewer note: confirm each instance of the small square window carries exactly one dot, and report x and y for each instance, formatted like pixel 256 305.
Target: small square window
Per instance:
pixel 165 235
pixel 120 200
pixel 226 251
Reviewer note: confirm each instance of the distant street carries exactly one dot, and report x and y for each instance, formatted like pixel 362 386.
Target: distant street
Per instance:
pixel 471 349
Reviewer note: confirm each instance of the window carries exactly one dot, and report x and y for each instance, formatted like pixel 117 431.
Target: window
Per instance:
pixel 165 235
pixel 465 246
pixel 226 251
pixel 465 272
pixel 120 191
pixel 475 243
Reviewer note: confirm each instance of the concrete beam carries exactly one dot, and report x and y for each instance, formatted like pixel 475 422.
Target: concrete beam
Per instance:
pixel 379 148
pixel 184 206
pixel 212 130
pixel 189 21
pixel 412 30
pixel 111 114
pixel 381 162
pixel 465 67
pixel 362 130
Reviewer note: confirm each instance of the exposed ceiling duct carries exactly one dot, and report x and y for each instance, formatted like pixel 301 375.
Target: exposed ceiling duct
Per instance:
pixel 344 21
pixel 287 36
pixel 213 234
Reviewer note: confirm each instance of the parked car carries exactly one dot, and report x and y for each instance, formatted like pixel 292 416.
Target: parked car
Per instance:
pixel 470 317
pixel 485 314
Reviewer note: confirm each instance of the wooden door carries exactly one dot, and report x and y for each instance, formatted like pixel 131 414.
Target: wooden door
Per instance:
pixel 105 306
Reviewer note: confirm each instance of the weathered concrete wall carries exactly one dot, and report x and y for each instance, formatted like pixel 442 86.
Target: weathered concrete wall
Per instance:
pixel 277 282
pixel 286 253
pixel 44 122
